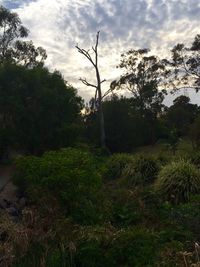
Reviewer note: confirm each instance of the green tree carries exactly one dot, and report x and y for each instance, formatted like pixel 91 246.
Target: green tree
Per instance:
pixel 194 133
pixel 38 110
pixel 183 67
pixel 12 47
pixel 143 75
pixel 181 115
pixel 123 125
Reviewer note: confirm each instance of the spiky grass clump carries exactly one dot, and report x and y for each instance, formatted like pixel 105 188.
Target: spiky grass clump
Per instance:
pixel 142 170
pixel 177 181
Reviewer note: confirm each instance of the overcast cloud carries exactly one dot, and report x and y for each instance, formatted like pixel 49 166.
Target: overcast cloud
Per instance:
pixel 58 25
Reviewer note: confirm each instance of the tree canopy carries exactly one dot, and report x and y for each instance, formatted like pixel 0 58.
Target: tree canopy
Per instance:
pixel 13 48
pixel 38 110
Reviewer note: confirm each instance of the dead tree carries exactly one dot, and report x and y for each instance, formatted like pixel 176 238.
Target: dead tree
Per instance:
pixel 98 92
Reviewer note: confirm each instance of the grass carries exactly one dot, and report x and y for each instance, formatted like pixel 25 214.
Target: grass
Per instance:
pixel 184 147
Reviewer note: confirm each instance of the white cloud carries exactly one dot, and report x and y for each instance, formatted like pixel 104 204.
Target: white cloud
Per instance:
pixel 58 25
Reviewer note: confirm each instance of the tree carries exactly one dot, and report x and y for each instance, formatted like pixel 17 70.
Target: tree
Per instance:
pixel 184 66
pixel 38 110
pixel 98 92
pixel 125 128
pixel 142 77
pixel 13 49
pixel 181 115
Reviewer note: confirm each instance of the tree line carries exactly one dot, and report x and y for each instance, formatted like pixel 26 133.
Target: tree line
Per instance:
pixel 40 111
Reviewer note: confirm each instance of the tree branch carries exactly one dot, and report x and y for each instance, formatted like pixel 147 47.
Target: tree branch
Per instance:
pixel 84 81
pixel 86 54
pixel 106 93
pixel 104 80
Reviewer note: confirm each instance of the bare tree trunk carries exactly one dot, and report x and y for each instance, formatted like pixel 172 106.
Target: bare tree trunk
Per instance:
pixel 98 92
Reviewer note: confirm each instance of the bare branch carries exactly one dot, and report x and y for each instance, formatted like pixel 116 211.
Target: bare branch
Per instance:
pixel 104 80
pixel 84 81
pixel 97 40
pixel 98 93
pixel 107 93
pixel 86 54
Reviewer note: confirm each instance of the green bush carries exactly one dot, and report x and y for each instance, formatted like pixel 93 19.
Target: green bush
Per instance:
pixel 125 208
pixel 142 170
pixel 195 159
pixel 116 164
pixel 134 247
pixel 70 175
pixel 91 253
pixel 188 216
pixel 177 181
pixel 125 247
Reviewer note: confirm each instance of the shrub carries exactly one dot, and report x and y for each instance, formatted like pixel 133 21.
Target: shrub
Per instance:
pixel 116 164
pixel 134 247
pixel 142 170
pixel 177 181
pixel 125 247
pixel 188 216
pixel 195 159
pixel 70 175
pixel 126 208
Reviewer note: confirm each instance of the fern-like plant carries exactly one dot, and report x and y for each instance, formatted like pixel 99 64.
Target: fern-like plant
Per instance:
pixel 177 181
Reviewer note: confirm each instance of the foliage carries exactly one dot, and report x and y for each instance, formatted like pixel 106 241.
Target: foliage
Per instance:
pixel 134 247
pixel 177 181
pixel 184 66
pixel 116 164
pixel 73 217
pixel 194 132
pixel 12 48
pixel 195 158
pixel 143 74
pixel 128 247
pixel 142 170
pixel 125 207
pixel 39 111
pixel 125 126
pixel 188 215
pixel 181 115
pixel 70 175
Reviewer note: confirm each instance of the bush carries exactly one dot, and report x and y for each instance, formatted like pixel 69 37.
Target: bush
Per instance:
pixel 134 247
pixel 116 164
pixel 195 159
pixel 126 209
pixel 188 216
pixel 177 181
pixel 142 170
pixel 125 247
pixel 70 175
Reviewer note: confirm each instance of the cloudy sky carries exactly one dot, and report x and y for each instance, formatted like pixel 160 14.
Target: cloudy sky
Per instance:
pixel 58 25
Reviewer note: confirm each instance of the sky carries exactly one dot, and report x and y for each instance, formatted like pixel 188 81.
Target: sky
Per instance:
pixel 59 25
